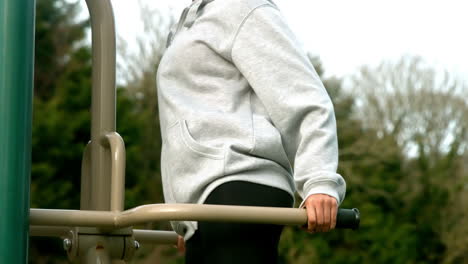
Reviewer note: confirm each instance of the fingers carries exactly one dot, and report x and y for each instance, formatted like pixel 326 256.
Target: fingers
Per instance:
pixel 321 213
pixel 334 212
pixel 319 208
pixel 326 215
pixel 311 219
pixel 180 244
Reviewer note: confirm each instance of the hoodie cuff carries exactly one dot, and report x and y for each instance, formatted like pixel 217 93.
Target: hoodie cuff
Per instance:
pixel 329 188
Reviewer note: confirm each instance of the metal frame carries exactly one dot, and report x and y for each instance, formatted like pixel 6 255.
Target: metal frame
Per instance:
pixel 16 90
pixel 166 212
pixel 101 231
pixel 102 103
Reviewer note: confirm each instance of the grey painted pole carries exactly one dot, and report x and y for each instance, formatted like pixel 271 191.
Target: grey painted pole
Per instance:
pixel 16 89
pixel 103 102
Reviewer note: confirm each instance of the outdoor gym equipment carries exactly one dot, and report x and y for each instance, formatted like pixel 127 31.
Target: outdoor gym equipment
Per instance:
pixel 101 231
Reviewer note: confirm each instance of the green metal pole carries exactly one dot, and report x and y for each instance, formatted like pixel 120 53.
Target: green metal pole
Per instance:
pixel 16 89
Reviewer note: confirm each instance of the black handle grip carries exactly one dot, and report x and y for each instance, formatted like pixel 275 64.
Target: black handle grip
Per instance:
pixel 348 218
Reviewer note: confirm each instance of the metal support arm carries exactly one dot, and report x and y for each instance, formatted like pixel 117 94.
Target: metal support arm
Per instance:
pixel 168 212
pixel 117 148
pixel 50 222
pixel 142 236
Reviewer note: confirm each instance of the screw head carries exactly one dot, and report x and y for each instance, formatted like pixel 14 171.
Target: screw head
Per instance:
pixel 67 244
pixel 137 245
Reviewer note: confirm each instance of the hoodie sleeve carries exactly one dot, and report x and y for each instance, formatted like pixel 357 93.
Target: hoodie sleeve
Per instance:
pixel 271 59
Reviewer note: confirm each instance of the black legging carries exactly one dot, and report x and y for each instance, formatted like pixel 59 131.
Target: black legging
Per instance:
pixel 225 243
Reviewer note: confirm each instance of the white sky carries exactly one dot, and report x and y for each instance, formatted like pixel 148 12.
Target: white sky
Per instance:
pixel 349 33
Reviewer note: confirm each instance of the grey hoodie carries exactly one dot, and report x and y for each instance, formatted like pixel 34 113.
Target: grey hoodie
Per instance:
pixel 240 101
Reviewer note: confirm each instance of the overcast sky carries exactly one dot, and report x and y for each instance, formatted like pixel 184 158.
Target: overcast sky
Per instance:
pixel 347 34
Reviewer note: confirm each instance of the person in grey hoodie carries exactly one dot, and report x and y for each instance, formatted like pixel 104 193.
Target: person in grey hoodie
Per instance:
pixel 245 120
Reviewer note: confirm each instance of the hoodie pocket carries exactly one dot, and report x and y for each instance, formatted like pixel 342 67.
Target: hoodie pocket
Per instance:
pixel 190 166
pixel 195 146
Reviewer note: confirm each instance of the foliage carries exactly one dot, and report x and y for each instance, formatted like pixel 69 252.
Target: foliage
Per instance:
pixel 424 108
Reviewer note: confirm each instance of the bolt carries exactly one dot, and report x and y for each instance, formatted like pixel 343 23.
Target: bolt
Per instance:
pixel 137 245
pixel 67 244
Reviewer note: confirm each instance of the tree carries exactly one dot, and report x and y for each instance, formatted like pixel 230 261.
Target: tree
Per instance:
pixel 58 34
pixel 60 116
pixel 423 108
pixel 425 112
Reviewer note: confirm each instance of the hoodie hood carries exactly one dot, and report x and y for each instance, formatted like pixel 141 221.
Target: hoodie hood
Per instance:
pixel 187 18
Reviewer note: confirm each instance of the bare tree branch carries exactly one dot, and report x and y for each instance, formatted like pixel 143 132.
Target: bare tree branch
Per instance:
pixel 424 109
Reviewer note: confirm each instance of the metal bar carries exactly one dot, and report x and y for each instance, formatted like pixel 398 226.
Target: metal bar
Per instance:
pixel 53 217
pixel 142 236
pixel 169 212
pixel 155 237
pixel 49 231
pixel 85 194
pixel 16 90
pixel 98 192
pixel 207 212
pixel 103 99
pixel 117 149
